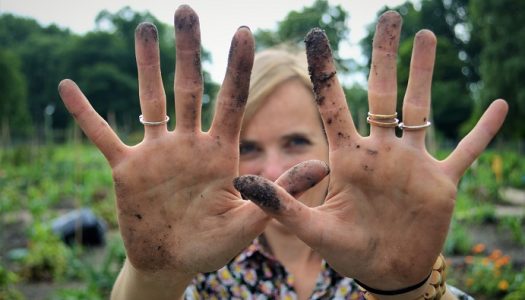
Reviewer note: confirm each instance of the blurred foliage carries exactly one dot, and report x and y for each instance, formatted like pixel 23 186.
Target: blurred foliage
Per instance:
pixel 459 241
pixel 501 58
pixel 294 27
pixel 489 275
pixel 46 258
pixel 14 115
pixel 8 279
pixel 33 59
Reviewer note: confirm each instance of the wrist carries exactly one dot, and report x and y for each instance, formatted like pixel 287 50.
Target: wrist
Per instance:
pixel 133 283
pixel 433 287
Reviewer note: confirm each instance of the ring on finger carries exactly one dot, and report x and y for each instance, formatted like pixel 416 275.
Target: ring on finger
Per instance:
pixel 153 123
pixel 371 121
pixel 402 126
pixel 382 117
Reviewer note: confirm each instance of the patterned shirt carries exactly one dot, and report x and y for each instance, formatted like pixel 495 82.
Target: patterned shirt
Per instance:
pixel 256 274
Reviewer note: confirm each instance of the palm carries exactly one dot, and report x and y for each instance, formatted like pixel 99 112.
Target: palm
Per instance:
pixel 175 205
pixel 177 208
pixel 389 202
pixel 376 203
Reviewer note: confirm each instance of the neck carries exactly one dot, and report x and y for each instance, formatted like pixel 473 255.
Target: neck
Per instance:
pixel 287 248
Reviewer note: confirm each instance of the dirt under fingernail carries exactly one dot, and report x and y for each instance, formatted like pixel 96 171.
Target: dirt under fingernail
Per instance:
pixel 258 190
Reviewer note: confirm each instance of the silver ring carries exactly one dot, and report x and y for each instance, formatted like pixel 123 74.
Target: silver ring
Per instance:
pixel 402 126
pixel 383 124
pixel 153 123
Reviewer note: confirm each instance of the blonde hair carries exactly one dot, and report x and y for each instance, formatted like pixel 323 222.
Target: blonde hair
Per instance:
pixel 271 68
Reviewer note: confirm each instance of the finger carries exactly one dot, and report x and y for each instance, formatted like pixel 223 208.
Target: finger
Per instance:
pixel 188 75
pixel 382 81
pixel 416 105
pixel 303 176
pixel 234 91
pixel 331 102
pixel 151 89
pixel 93 125
pixel 279 204
pixel 475 142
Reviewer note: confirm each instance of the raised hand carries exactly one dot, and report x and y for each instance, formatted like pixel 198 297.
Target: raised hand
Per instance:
pixel 389 202
pixel 177 208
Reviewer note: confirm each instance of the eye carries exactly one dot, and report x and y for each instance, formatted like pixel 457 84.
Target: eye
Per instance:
pixel 247 148
pixel 297 142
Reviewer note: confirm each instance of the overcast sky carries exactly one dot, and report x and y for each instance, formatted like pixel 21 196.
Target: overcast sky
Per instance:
pixel 219 18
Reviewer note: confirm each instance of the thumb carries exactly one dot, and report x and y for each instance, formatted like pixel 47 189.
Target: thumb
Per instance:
pixel 277 199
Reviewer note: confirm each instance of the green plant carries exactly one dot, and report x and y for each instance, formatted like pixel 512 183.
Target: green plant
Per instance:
pixel 99 280
pixel 458 239
pixel 46 258
pixel 517 289
pixel 8 279
pixel 514 226
pixel 468 209
pixel 490 275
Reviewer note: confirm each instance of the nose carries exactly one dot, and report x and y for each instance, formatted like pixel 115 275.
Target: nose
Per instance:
pixel 274 165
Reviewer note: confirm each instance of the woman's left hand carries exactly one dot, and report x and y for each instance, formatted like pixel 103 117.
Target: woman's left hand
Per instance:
pixel 389 202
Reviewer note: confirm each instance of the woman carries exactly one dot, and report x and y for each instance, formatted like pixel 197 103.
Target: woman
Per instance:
pixel 179 207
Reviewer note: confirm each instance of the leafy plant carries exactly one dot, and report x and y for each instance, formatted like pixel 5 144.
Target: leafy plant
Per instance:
pixel 99 279
pixel 490 275
pixel 514 226
pixel 46 257
pixel 8 279
pixel 458 239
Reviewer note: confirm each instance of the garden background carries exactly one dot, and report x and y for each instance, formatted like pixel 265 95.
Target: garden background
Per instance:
pixel 48 168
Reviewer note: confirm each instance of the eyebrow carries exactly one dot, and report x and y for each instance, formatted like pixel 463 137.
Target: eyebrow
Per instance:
pixel 294 135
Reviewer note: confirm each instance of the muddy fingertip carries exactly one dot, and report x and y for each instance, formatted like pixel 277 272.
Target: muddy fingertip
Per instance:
pixel 186 18
pixel 146 31
pixel 390 16
pixel 258 190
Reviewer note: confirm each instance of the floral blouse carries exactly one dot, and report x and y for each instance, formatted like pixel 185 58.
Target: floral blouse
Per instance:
pixel 256 274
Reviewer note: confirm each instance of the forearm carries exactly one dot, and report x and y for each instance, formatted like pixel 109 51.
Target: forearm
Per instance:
pixel 132 284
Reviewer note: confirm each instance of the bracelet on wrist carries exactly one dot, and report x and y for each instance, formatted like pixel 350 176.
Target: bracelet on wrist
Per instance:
pixel 435 285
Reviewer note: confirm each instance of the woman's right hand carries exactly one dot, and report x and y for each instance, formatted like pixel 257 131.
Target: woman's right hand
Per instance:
pixel 177 208
pixel 178 211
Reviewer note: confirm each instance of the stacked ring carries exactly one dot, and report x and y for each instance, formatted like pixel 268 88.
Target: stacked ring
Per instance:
pixel 388 121
pixel 382 117
pixel 394 123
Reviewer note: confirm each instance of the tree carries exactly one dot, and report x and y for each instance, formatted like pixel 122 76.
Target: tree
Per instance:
pixel 102 62
pixel 40 50
pixel 502 58
pixel 14 116
pixel 295 26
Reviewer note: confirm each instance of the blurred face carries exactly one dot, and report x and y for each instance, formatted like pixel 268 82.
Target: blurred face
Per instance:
pixel 285 131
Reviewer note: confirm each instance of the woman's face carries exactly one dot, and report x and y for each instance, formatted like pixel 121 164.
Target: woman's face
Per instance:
pixel 285 131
